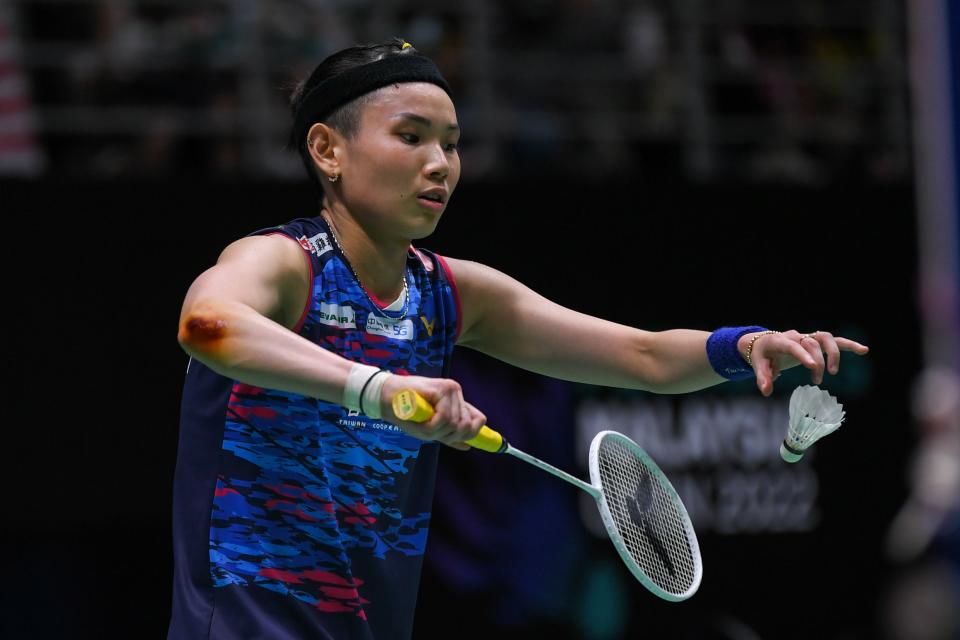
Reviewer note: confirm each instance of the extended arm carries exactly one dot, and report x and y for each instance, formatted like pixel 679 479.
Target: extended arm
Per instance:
pixel 505 319
pixel 237 319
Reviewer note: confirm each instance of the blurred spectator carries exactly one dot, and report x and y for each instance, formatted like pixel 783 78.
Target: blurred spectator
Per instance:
pixel 747 90
pixel 925 535
pixel 20 152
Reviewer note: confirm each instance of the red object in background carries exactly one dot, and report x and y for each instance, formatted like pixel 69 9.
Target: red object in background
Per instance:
pixel 20 153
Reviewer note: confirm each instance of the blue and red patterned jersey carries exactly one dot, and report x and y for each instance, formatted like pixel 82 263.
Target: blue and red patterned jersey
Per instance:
pixel 294 518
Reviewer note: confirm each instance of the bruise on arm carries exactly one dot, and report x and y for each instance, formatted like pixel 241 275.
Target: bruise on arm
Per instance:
pixel 203 333
pixel 264 276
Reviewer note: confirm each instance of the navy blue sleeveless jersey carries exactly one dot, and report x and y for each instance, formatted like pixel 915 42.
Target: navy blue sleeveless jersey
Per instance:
pixel 294 518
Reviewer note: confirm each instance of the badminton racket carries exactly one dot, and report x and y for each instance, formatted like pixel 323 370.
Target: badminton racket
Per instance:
pixel 641 511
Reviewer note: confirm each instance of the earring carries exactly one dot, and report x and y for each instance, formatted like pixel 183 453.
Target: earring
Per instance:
pixel 333 178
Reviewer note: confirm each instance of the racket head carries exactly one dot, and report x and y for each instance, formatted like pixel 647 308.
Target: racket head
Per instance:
pixel 645 517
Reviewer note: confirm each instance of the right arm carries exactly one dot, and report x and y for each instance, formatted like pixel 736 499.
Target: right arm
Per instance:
pixel 238 317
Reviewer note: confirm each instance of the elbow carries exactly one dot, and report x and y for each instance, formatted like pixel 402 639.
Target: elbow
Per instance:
pixel 650 371
pixel 666 371
pixel 203 330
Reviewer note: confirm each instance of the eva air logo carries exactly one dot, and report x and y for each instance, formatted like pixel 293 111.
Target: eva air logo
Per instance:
pixel 335 315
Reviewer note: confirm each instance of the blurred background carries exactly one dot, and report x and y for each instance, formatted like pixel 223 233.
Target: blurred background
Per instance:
pixel 683 163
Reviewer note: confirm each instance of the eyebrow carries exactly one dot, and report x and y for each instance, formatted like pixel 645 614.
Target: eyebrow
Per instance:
pixel 406 115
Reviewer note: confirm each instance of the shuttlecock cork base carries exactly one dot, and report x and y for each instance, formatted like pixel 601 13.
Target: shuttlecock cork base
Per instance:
pixel 814 413
pixel 789 454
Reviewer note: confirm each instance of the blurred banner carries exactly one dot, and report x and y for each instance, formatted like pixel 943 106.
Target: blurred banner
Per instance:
pixel 935 82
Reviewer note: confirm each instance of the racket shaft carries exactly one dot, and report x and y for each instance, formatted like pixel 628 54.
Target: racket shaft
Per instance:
pixel 549 468
pixel 410 405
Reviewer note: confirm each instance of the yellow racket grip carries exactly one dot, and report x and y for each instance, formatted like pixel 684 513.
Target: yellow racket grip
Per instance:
pixel 410 405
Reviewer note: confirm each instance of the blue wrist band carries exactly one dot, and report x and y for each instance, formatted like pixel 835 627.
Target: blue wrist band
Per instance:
pixel 723 355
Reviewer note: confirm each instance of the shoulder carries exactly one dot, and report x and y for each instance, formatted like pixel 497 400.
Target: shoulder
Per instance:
pixel 480 291
pixel 310 234
pixel 267 273
pixel 471 275
pixel 297 247
pixel 460 274
pixel 275 252
pixel 271 263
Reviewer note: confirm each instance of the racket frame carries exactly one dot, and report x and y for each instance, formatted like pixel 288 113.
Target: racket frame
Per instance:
pixel 610 524
pixel 409 405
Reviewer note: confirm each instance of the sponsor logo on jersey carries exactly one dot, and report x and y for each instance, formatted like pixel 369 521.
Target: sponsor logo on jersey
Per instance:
pixel 337 316
pixel 428 325
pixel 390 328
pixel 358 423
pixel 317 245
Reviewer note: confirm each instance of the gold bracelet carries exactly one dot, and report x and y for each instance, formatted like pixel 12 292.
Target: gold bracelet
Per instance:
pixel 750 345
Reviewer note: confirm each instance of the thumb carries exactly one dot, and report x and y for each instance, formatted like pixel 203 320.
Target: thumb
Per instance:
pixel 764 376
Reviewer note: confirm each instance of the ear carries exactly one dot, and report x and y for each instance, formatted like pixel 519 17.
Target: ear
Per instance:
pixel 325 147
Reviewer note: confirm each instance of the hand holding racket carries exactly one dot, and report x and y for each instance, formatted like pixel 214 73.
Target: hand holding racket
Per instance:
pixel 641 511
pixel 456 420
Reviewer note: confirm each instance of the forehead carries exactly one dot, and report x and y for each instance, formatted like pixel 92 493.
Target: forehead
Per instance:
pixel 421 98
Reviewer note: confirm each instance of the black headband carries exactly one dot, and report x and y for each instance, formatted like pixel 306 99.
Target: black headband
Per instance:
pixel 337 91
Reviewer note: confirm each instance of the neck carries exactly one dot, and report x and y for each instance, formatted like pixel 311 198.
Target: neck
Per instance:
pixel 379 262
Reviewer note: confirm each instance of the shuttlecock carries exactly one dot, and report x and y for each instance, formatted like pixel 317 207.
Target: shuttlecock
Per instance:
pixel 814 413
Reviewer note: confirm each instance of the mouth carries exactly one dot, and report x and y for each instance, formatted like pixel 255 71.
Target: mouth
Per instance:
pixel 432 201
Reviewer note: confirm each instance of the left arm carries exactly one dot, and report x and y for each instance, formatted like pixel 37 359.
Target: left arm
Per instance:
pixel 509 321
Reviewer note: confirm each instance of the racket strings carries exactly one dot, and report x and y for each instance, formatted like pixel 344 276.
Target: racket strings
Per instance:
pixel 653 530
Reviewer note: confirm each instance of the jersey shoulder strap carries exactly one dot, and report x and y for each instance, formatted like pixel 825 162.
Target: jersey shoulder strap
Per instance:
pixel 311 233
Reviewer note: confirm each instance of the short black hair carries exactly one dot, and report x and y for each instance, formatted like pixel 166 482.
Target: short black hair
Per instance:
pixel 345 119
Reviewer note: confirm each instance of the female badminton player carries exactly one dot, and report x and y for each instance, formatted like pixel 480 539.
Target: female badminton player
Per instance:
pixel 301 501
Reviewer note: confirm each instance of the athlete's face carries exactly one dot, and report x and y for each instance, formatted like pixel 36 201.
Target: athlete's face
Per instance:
pixel 404 152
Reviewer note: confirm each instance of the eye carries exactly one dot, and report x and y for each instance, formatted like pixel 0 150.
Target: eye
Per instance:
pixel 412 138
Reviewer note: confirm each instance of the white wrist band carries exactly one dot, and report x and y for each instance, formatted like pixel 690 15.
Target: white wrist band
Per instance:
pixel 356 379
pixel 370 398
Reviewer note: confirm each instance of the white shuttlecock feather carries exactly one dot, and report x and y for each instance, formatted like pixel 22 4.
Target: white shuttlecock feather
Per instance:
pixel 814 413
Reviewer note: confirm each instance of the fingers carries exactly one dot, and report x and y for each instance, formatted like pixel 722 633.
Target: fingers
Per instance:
pixel 767 371
pixel 448 409
pixel 456 432
pixel 781 351
pixel 849 345
pixel 818 351
pixel 474 419
pixel 794 349
pixel 454 419
pixel 822 343
pixel 828 344
pixel 763 370
pixel 813 346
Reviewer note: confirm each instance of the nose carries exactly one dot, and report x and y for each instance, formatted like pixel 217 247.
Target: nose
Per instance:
pixel 438 164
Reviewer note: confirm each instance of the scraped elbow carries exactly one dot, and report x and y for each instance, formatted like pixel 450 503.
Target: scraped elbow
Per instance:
pixel 203 331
